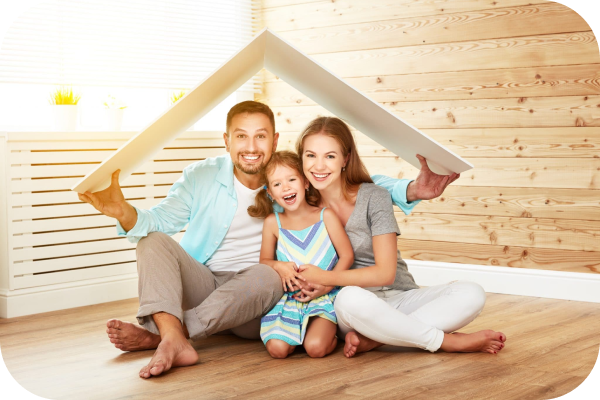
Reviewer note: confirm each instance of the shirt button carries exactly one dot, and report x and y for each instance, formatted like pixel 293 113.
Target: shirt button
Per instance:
pixel 225 225
pixel 216 242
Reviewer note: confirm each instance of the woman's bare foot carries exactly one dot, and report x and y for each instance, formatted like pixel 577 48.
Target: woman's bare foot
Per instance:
pixel 486 341
pixel 357 343
pixel 130 337
pixel 173 351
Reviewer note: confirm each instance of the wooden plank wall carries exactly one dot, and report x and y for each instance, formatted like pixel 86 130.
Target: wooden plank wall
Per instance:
pixel 511 85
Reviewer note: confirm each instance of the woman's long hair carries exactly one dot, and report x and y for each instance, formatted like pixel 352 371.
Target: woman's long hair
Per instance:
pixel 355 172
pixel 263 206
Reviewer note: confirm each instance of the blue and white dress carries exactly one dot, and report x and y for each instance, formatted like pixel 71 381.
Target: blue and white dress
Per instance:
pixel 288 320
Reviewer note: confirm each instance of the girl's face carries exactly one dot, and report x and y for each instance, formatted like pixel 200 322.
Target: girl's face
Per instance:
pixel 287 187
pixel 322 160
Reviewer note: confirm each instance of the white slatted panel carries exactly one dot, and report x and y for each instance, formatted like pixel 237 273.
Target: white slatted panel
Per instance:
pixel 56 238
pixel 126 43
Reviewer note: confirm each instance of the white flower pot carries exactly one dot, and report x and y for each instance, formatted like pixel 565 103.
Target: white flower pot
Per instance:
pixel 65 118
pixel 113 119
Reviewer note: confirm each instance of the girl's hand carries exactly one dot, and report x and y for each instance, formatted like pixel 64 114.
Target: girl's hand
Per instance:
pixel 311 292
pixel 288 273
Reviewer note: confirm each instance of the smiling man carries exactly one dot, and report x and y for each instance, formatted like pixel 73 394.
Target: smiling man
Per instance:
pixel 211 280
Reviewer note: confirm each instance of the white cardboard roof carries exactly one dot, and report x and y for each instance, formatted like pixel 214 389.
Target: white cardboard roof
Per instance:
pixel 269 51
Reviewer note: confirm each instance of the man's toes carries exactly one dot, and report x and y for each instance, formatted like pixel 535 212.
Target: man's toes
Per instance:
pixel 158 368
pixel 144 372
pixel 113 323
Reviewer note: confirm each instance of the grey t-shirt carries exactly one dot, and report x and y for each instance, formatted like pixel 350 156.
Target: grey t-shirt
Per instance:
pixel 374 215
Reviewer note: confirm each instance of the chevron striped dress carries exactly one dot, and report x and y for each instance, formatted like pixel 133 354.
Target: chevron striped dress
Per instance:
pixel 288 320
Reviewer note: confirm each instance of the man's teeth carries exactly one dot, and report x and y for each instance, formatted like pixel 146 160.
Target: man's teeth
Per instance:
pixel 251 157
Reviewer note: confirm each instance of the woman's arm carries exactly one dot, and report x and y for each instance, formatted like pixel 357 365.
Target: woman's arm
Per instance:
pixel 286 270
pixel 382 273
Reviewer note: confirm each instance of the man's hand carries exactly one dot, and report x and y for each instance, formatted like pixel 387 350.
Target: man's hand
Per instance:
pixel 111 203
pixel 428 184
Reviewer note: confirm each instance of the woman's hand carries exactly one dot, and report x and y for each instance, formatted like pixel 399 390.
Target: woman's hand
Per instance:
pixel 311 292
pixel 288 272
pixel 311 273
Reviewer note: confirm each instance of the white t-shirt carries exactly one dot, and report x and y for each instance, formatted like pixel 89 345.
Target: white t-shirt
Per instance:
pixel 241 246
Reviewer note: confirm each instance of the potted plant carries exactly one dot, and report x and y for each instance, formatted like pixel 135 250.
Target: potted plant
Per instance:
pixel 176 96
pixel 64 104
pixel 113 113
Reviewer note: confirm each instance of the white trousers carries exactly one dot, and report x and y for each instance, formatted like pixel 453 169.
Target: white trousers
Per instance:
pixel 413 318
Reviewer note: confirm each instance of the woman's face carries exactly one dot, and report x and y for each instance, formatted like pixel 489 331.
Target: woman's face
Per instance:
pixel 323 160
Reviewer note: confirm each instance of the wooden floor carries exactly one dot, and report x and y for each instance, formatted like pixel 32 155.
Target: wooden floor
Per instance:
pixel 552 346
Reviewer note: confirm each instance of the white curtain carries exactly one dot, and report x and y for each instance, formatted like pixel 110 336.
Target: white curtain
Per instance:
pixel 126 43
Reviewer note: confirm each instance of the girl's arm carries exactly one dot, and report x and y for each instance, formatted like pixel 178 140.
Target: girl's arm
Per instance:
pixel 340 241
pixel 382 273
pixel 286 270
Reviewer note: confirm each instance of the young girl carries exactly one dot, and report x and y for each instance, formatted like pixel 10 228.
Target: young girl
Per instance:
pixel 302 235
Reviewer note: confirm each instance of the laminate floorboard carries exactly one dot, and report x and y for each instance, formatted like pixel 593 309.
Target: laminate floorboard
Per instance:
pixel 552 347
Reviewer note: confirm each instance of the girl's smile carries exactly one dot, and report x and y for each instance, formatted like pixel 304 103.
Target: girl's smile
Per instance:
pixel 287 187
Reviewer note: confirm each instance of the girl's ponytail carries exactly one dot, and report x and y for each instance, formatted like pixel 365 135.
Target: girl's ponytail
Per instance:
pixel 262 207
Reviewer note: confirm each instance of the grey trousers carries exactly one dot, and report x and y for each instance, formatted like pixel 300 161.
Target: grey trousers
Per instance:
pixel 172 281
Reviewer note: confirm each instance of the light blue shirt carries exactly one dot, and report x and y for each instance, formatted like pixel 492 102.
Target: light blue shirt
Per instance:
pixel 205 197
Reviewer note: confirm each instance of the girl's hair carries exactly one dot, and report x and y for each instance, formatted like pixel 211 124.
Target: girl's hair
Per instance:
pixel 355 172
pixel 263 206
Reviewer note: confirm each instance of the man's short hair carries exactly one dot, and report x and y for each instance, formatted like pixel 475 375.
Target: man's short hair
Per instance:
pixel 250 107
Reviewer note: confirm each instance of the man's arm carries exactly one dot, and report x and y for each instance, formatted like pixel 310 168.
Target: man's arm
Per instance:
pixel 406 194
pixel 169 216
pixel 397 189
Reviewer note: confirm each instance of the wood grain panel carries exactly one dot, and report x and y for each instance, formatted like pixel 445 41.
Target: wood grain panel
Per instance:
pixel 518 52
pixel 54 362
pixel 577 173
pixel 482 113
pixel 340 12
pixel 558 234
pixel 504 256
pixel 516 202
pixel 572 80
pixel 579 142
pixel 441 28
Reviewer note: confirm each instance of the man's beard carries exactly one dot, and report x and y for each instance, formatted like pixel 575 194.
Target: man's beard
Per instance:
pixel 252 169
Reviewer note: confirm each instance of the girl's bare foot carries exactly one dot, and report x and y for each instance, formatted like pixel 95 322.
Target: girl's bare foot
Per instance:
pixel 486 341
pixel 357 343
pixel 172 351
pixel 130 337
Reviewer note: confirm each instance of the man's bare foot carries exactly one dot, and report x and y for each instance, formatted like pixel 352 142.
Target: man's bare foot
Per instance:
pixel 486 341
pixel 357 343
pixel 130 337
pixel 173 351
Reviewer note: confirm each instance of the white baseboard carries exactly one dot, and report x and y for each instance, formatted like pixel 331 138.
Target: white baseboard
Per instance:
pixel 524 282
pixel 18 303
pixel 518 281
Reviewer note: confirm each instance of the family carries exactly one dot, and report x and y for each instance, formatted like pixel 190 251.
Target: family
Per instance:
pixel 298 249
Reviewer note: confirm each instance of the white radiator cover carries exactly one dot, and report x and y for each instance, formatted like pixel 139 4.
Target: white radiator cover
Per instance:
pixel 57 252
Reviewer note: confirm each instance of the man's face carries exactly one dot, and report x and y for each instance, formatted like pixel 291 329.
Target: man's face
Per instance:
pixel 250 142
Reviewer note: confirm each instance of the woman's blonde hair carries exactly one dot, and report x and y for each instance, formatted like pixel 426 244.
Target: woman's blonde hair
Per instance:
pixel 263 206
pixel 355 171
